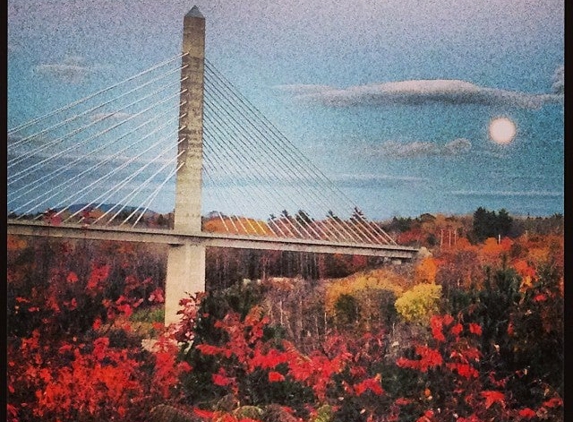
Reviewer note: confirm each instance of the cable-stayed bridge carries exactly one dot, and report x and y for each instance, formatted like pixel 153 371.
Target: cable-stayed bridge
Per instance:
pixel 179 139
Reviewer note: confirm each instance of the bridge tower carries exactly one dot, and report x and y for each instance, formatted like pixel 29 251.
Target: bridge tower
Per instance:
pixel 186 263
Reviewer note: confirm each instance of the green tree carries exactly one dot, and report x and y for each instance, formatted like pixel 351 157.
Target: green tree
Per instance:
pixel 489 224
pixel 347 310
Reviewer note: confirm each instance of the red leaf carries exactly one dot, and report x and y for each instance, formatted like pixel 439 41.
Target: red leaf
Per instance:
pixel 203 413
pixel 97 324
pixel 12 410
pixel 276 376
pixel 372 384
pixel 126 309
pixel 475 329
pixel 436 324
pixel 65 348
pixel 22 300
pixel 527 413
pixel 447 319
pixel 208 349
pixel 72 277
pixel 428 414
pixel 270 360
pixel 492 397
pixel 402 401
pixel 554 402
pixel 221 380
pixel 464 370
pixel 184 367
pixel 456 329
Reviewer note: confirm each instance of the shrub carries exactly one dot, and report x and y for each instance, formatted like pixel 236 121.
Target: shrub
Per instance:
pixel 419 303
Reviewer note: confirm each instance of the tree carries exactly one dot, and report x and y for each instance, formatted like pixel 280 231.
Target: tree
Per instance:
pixel 489 224
pixel 357 215
pixel 303 218
pixel 503 222
pixel 347 310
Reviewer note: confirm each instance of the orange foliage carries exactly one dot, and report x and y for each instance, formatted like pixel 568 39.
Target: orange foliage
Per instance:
pixel 527 273
pixel 464 244
pixel 492 247
pixel 426 270
pixel 15 244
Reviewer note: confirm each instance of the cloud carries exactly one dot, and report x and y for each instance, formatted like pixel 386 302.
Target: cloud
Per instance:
pixel 71 70
pixel 422 149
pixel 558 86
pixel 417 92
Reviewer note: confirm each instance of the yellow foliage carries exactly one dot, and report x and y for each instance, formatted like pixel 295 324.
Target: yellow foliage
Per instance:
pixel 357 284
pixel 239 225
pixel 419 303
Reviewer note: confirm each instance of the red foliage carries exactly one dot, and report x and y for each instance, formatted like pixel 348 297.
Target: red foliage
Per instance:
pixel 527 413
pixel 111 380
pixel 59 372
pixel 553 402
pixel 372 384
pixel 221 380
pixel 68 375
pixel 429 358
pixel 276 376
pixel 492 397
pixel 475 329
pixel 156 296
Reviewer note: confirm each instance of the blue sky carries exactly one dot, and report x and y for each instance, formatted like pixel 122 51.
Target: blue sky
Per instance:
pixel 391 99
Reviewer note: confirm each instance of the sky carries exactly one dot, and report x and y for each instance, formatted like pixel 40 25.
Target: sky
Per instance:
pixel 393 100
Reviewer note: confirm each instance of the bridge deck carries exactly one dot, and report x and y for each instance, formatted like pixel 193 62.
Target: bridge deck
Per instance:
pixel 173 237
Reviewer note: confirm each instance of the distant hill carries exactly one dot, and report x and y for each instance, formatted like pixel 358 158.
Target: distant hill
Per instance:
pixel 106 207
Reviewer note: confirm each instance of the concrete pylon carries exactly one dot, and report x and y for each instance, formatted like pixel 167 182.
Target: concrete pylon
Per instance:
pixel 186 263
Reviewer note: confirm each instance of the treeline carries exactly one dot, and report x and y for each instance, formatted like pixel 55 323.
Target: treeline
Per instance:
pixel 439 230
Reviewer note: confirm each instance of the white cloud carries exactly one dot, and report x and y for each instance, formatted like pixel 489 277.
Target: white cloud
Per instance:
pixel 457 146
pixel 415 92
pixel 71 70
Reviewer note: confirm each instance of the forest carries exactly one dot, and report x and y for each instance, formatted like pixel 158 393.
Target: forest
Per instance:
pixel 471 330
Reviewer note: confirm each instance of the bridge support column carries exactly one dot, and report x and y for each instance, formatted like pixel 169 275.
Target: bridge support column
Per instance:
pixel 185 274
pixel 186 264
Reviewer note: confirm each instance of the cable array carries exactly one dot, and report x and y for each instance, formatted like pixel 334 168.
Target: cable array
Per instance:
pixel 108 158
pixel 254 162
pixel 112 158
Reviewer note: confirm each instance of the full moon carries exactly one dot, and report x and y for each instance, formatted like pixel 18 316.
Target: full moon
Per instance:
pixel 502 130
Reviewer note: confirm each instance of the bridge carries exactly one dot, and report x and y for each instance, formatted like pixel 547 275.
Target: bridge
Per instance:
pixel 99 164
